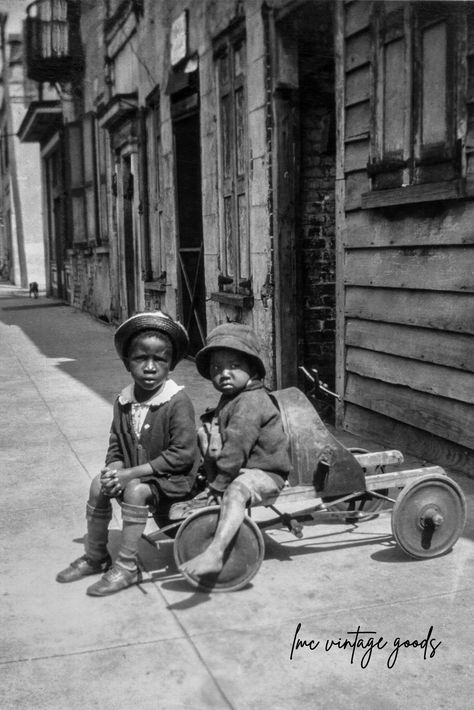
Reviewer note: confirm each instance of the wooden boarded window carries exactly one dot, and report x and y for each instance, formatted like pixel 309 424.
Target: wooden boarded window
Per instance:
pixel 86 169
pixel 154 259
pixel 76 180
pixel 230 57
pixel 103 194
pixel 90 174
pixel 415 93
pixel 394 99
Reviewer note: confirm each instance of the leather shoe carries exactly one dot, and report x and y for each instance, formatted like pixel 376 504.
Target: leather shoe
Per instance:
pixel 83 567
pixel 116 579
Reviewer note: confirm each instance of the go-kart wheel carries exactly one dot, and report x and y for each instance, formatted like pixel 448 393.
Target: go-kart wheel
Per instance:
pixel 242 560
pixel 429 516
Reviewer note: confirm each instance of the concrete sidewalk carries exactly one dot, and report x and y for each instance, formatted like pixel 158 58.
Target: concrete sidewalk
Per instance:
pixel 163 645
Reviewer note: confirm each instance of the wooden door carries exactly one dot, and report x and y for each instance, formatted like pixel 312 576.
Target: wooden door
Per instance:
pixel 288 312
pixel 128 240
pixel 189 222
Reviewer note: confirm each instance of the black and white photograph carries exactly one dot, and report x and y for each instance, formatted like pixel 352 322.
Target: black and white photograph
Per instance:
pixel 236 354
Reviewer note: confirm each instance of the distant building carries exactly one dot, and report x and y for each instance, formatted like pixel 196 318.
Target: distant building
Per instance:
pixel 22 257
pixel 304 166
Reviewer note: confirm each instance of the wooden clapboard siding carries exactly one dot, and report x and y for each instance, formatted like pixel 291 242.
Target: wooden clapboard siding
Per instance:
pixel 409 439
pixel 470 104
pixel 418 409
pixel 357 121
pixel 357 17
pixel 425 377
pixel 357 51
pixel 438 347
pixel 406 351
pixel 356 156
pixel 367 228
pixel 354 185
pixel 442 311
pixel 339 193
pixel 424 268
pixel 358 85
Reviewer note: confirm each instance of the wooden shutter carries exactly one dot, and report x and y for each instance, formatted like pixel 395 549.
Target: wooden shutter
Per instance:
pixel 90 186
pixel 231 72
pixel 392 100
pixel 75 170
pixel 435 85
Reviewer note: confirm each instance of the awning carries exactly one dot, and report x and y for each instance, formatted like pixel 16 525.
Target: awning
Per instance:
pixel 42 119
pixel 117 110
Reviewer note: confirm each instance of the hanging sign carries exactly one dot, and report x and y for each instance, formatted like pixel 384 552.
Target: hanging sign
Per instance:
pixel 179 39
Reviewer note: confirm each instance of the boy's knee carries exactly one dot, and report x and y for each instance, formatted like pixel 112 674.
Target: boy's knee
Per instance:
pixel 95 490
pixel 136 492
pixel 237 490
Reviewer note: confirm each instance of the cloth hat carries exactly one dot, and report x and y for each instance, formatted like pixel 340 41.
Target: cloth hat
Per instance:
pixel 153 320
pixel 234 336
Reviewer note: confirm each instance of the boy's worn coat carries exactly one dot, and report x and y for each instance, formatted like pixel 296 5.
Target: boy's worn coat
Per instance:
pixel 167 441
pixel 252 436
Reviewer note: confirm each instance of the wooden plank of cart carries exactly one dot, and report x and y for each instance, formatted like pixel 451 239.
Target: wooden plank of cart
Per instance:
pixel 428 508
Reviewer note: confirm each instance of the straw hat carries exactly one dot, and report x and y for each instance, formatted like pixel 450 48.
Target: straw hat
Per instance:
pixel 153 320
pixel 234 336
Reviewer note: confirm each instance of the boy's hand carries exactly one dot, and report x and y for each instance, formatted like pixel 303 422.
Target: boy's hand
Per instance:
pixel 213 497
pixel 112 482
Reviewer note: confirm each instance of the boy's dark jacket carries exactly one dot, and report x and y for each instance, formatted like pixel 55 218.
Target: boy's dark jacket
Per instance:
pixel 252 435
pixel 167 441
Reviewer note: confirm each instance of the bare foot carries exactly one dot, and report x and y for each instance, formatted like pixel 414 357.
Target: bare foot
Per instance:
pixel 208 562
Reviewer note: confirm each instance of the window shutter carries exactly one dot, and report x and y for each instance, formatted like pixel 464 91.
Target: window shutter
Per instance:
pixel 435 83
pixel 90 187
pixel 76 180
pixel 231 62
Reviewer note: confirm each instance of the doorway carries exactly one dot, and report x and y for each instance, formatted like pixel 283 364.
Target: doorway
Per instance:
pixel 128 235
pixel 58 235
pixel 190 247
pixel 305 193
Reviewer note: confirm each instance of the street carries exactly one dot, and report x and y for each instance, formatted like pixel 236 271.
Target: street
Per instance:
pixel 341 618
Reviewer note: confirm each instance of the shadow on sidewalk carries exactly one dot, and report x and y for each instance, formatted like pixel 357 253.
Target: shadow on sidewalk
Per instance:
pixel 83 348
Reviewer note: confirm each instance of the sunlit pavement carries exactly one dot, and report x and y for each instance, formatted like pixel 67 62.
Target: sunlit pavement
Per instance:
pixel 282 643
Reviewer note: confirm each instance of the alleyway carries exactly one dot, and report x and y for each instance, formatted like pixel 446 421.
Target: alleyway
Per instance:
pixel 161 645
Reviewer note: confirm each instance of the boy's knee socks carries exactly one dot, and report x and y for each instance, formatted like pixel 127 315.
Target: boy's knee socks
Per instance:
pixel 98 520
pixel 134 519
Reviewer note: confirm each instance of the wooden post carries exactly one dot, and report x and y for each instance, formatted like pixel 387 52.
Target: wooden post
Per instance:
pixel 340 210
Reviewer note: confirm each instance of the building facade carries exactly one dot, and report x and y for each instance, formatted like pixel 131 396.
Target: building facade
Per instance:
pixel 303 166
pixel 22 258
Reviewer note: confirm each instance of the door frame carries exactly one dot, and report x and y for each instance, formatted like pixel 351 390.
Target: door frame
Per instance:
pixel 128 152
pixel 182 110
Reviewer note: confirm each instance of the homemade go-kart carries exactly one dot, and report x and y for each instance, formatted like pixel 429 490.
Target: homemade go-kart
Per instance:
pixel 428 513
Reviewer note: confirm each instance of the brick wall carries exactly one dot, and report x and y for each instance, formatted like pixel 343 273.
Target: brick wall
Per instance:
pixel 316 209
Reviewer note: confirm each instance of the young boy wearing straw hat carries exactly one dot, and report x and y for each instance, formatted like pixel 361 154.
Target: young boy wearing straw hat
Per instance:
pixel 243 442
pixel 151 457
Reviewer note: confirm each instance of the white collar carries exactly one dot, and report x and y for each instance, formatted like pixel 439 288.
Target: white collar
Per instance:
pixel 169 389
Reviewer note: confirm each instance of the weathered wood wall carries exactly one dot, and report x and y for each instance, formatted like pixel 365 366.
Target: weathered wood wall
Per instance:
pixel 407 324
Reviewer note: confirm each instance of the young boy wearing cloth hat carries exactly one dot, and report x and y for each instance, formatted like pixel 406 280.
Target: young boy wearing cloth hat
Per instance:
pixel 151 454
pixel 243 442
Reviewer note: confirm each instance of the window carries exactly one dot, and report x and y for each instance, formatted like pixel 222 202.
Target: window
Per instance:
pixel 414 141
pixel 230 57
pixel 103 168
pixel 76 180
pixel 82 178
pixel 153 258
pixel 90 174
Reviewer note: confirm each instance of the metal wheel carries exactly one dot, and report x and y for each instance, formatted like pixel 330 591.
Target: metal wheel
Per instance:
pixel 429 516
pixel 359 509
pixel 243 558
